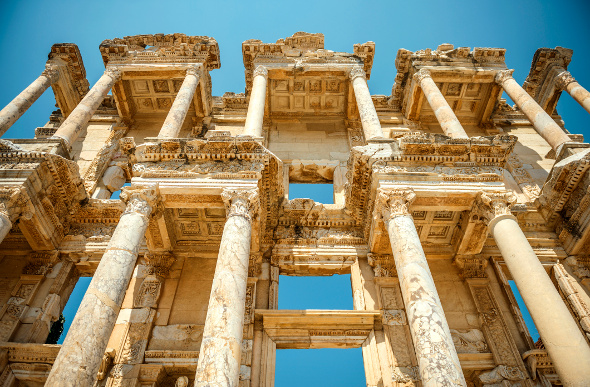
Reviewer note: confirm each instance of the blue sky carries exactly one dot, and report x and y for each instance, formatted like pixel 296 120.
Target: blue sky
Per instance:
pixel 29 28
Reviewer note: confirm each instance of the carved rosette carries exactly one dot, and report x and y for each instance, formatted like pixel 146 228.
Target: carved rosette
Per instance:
pixel 113 72
pixel 357 71
pixel 491 205
pixel 51 72
pixel 502 76
pixel 421 75
pixel 241 202
pixel 395 202
pixel 563 79
pixel 140 199
pixel 261 70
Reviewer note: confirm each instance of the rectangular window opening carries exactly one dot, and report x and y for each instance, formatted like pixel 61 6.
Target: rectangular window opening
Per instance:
pixel 319 367
pixel 70 310
pixel 528 320
pixel 325 292
pixel 319 193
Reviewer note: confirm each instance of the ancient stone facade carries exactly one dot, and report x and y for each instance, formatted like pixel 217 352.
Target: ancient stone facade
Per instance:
pixel 443 193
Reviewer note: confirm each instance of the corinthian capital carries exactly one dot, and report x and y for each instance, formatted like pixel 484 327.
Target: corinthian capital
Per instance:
pixel 261 70
pixel 502 76
pixel 357 71
pixel 193 70
pixel 113 72
pixel 421 75
pixel 494 204
pixel 140 199
pixel 240 202
pixel 563 79
pixel 395 202
pixel 51 71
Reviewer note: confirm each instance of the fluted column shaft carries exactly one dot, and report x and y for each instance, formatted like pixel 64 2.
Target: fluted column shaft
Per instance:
pixel 70 129
pixel 442 110
pixel 80 356
pixel 437 358
pixel 566 82
pixel 369 119
pixel 219 357
pixel 542 122
pixel 22 102
pixel 182 102
pixel 560 334
pixel 255 116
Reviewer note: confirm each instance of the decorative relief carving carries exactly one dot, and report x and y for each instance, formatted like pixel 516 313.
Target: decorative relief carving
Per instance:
pixel 469 341
pixel 139 199
pixel 492 205
pixel 395 202
pixel 357 71
pixel 40 262
pixel 563 79
pixel 502 76
pixel 261 70
pixel 472 266
pixel 394 317
pixel 241 202
pixel 421 75
pixel 149 292
pixel 383 265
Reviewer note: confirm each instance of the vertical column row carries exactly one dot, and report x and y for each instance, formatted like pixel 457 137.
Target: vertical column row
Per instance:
pixel 438 361
pixel 219 357
pixel 80 356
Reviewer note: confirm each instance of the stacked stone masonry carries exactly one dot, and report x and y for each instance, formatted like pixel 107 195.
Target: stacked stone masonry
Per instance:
pixel 443 193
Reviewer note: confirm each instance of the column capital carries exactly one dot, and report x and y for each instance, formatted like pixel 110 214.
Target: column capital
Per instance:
pixel 502 76
pixel 422 74
pixel 51 72
pixel 492 205
pixel 395 202
pixel 261 70
pixel 14 202
pixel 113 72
pixel 140 199
pixel 193 70
pixel 357 71
pixel 563 79
pixel 240 202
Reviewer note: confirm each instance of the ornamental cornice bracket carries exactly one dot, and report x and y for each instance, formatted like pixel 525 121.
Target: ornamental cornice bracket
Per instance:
pixel 241 202
pixel 159 264
pixel 393 202
pixel 491 205
pixel 502 76
pixel 144 199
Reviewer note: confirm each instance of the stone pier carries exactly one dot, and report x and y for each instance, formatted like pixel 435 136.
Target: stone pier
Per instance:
pixel 542 122
pixel 369 119
pixel 81 354
pixel 255 116
pixel 5 225
pixel 182 102
pixel 22 102
pixel 567 348
pixel 219 358
pixel 437 358
pixel 76 122
pixel 444 114
pixel 566 82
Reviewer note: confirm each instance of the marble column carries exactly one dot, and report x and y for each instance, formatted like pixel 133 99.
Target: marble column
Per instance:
pixel 80 356
pixel 369 119
pixel 566 82
pixel 255 116
pixel 219 357
pixel 542 122
pixel 182 102
pixel 76 122
pixel 5 224
pixel 444 114
pixel 563 340
pixel 437 358
pixel 22 102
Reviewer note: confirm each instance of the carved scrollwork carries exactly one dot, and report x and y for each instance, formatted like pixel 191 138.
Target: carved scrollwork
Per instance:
pixel 113 72
pixel 261 70
pixel 51 72
pixel 241 202
pixel 140 199
pixel 193 70
pixel 395 202
pixel 421 75
pixel 563 79
pixel 357 71
pixel 502 76
pixel 494 204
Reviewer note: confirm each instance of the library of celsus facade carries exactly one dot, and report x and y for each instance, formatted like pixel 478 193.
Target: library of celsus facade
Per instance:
pixel 443 193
